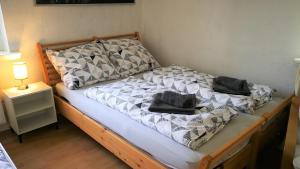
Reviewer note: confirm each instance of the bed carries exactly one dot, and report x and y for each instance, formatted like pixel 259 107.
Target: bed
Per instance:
pixel 133 146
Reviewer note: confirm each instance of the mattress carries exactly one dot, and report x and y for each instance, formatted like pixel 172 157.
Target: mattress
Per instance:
pixel 160 147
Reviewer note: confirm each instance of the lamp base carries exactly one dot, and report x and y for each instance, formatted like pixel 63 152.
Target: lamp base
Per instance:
pixel 23 87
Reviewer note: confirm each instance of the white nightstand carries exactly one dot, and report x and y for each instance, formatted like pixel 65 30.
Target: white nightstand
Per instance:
pixel 30 109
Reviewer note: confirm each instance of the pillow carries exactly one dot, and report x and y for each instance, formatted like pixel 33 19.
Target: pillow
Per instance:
pixel 83 65
pixel 129 56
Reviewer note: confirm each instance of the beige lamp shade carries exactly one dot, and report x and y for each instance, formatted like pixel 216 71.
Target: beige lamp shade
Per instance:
pixel 20 70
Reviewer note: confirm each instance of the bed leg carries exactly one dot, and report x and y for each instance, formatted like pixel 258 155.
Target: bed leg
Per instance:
pixel 291 135
pixel 56 126
pixel 20 137
pixel 255 148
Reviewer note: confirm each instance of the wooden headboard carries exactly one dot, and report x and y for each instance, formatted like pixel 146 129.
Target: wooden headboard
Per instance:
pixel 51 77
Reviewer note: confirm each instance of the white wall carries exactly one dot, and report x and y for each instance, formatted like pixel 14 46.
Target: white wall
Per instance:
pixel 28 24
pixel 3 39
pixel 252 39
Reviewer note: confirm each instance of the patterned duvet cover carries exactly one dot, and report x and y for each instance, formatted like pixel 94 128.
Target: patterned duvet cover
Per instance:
pixel 133 96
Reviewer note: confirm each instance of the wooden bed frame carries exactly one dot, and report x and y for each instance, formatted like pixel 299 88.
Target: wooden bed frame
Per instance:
pixel 137 158
pixel 291 135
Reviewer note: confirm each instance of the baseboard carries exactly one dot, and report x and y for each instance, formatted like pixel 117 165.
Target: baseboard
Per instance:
pixel 4 127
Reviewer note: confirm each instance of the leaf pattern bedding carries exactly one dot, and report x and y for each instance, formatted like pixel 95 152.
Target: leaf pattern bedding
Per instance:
pixel 189 81
pixel 133 96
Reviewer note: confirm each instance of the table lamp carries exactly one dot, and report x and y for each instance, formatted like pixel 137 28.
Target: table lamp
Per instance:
pixel 21 73
pixel 19 68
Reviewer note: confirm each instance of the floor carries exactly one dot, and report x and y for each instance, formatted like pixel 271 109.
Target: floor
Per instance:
pixel 65 148
pixel 70 148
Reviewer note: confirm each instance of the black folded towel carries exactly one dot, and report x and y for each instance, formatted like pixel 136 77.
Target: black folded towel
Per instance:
pixel 160 107
pixel 230 85
pixel 173 103
pixel 176 99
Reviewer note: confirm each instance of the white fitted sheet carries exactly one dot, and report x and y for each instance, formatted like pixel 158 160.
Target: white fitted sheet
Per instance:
pixel 160 147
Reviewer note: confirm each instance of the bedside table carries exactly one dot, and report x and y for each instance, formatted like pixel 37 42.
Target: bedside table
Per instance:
pixel 30 109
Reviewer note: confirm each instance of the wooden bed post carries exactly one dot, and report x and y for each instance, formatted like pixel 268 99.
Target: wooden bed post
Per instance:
pixel 291 135
pixel 42 58
pixel 205 163
pixel 137 34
